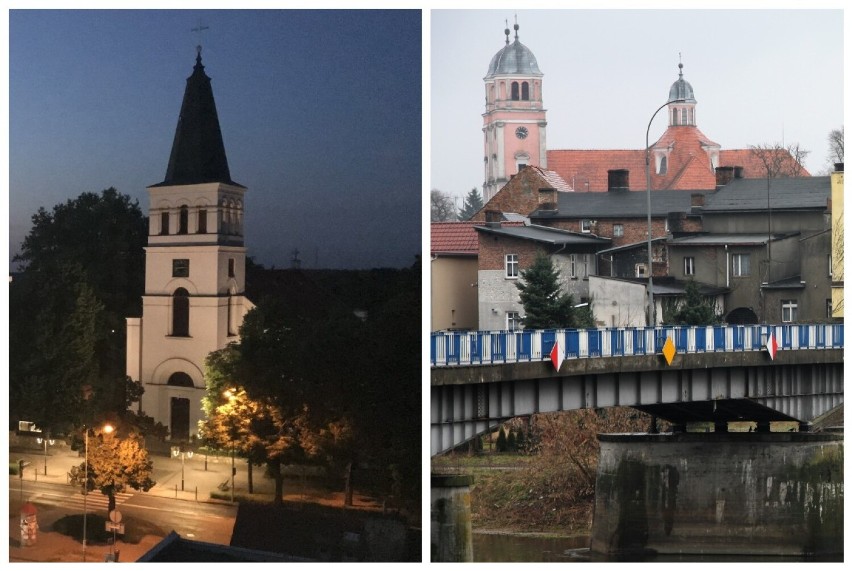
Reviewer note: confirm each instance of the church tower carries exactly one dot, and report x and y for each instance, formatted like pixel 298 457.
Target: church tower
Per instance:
pixel 194 267
pixel 514 118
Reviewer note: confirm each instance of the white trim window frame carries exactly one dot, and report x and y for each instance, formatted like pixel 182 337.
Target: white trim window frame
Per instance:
pixel 510 267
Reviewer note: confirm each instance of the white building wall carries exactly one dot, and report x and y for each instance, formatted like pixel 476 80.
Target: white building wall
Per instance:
pixel 617 303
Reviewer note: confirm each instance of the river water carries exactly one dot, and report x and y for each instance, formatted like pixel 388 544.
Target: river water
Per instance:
pixel 510 548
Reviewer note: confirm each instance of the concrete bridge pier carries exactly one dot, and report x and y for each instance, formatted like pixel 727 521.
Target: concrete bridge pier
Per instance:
pixel 759 493
pixel 452 535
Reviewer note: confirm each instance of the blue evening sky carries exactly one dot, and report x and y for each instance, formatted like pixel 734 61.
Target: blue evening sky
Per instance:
pixel 320 114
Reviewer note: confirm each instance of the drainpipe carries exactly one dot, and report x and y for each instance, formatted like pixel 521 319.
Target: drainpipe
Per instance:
pixel 727 267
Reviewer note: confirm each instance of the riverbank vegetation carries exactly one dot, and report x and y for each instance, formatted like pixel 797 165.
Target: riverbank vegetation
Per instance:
pixel 546 485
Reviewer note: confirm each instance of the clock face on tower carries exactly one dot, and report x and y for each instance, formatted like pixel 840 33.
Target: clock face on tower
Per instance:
pixel 521 132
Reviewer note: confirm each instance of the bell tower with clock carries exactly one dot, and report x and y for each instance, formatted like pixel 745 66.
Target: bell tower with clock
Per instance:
pixel 514 119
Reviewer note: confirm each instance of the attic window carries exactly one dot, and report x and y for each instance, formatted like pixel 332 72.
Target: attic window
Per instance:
pixel 585 226
pixel 664 165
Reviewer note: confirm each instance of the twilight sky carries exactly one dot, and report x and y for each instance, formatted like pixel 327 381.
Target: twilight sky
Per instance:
pixel 320 114
pixel 759 76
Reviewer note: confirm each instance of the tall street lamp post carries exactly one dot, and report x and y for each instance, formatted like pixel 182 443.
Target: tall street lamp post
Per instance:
pixel 45 441
pixel 231 394
pixel 107 429
pixel 652 310
pixel 179 451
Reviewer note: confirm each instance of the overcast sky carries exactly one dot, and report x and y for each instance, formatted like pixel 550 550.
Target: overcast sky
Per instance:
pixel 759 77
pixel 320 114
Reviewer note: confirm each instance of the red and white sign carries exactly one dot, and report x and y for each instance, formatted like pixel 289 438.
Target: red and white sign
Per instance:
pixel 557 355
pixel 771 346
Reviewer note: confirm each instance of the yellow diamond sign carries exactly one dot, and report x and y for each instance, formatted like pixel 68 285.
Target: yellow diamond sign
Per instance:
pixel 669 350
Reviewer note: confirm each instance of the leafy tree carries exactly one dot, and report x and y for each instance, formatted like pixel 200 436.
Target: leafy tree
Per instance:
pixel 695 309
pixel 472 205
pixel 115 464
pixel 545 306
pixel 443 207
pixel 82 273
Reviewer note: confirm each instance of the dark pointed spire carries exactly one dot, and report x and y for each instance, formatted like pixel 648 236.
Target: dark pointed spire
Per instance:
pixel 198 152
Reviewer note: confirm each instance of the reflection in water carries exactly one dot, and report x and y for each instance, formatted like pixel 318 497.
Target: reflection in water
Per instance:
pixel 514 548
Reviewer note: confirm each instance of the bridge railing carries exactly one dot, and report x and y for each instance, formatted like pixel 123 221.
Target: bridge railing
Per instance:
pixel 490 347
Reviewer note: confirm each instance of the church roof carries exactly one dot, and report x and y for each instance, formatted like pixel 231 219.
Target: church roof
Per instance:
pixel 681 89
pixel 618 204
pixel 741 194
pixel 198 152
pixel 514 59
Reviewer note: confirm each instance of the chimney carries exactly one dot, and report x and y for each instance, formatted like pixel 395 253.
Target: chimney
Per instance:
pixel 493 218
pixel 838 167
pixel 738 172
pixel 723 176
pixel 547 199
pixel 697 200
pixel 618 179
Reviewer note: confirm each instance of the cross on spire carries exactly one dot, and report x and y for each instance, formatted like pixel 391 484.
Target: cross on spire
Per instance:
pixel 199 29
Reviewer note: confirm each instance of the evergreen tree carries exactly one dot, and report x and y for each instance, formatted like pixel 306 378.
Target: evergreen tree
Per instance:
pixel 472 205
pixel 501 440
pixel 511 441
pixel 520 441
pixel 696 309
pixel 545 306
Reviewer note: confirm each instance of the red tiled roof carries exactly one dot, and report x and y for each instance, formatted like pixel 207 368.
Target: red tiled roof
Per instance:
pixel 455 238
pixel 458 238
pixel 689 165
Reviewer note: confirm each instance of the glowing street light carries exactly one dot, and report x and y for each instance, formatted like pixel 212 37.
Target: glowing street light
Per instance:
pixel 231 395
pixel 46 442
pixel 107 429
pixel 179 451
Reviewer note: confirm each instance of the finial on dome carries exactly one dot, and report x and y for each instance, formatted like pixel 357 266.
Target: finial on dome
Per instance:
pixel 506 31
pixel 680 64
pixel 516 27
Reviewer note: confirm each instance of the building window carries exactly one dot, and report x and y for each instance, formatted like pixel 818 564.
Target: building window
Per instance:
pixel 617 230
pixel 513 321
pixel 202 221
pixel 231 265
pixel 511 265
pixel 585 226
pixel 180 379
pixel 164 224
pixel 829 311
pixel 180 268
pixel 585 265
pixel 572 265
pixel 683 118
pixel 180 313
pixel 664 165
pixel 789 310
pixel 525 91
pixel 641 270
pixel 830 271
pixel 674 116
pixel 516 95
pixel 183 220
pixel 740 265
pixel 689 266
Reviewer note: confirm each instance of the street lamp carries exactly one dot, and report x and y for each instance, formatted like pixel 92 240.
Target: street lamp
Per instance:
pixel 45 441
pixel 231 395
pixel 652 310
pixel 108 430
pixel 179 451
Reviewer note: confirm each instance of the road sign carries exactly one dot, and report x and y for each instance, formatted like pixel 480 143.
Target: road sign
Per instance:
pixel 669 350
pixel 115 527
pixel 115 516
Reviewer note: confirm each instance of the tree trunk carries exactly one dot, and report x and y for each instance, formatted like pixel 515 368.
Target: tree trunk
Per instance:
pixel 111 497
pixel 250 474
pixel 275 469
pixel 348 489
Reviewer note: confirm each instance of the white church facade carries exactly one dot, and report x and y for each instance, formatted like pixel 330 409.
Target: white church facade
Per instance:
pixel 194 298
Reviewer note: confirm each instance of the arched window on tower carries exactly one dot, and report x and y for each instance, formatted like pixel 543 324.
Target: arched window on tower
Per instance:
pixel 515 91
pixel 164 223
pixel 183 220
pixel 202 221
pixel 525 91
pixel 683 116
pixel 180 313
pixel 664 165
